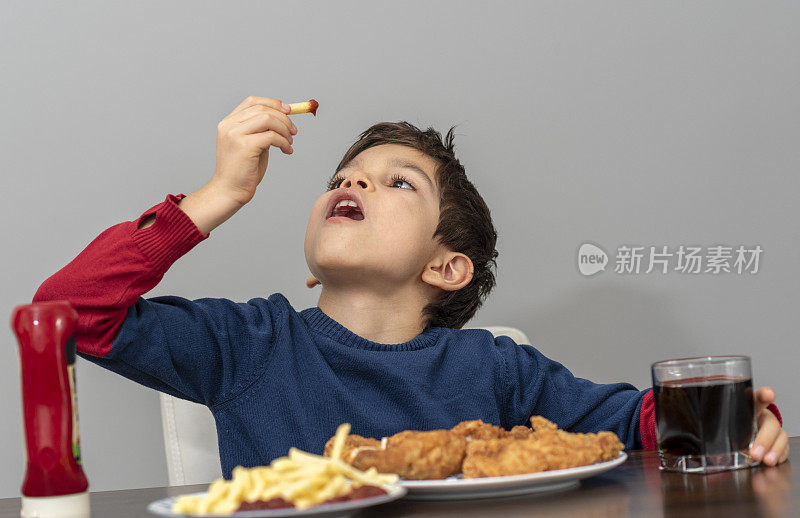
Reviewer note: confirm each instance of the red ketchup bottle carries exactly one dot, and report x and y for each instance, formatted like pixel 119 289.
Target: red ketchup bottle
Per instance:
pixel 54 485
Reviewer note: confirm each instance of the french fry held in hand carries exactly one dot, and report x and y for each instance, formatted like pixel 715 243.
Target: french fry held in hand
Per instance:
pixel 302 478
pixel 306 107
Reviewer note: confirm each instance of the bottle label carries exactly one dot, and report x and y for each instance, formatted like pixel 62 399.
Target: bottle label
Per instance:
pixel 73 394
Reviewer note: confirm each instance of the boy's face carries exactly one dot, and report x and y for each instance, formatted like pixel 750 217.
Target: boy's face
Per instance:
pixel 391 246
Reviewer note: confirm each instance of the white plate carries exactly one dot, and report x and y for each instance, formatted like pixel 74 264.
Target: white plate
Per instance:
pixel 163 507
pixel 457 488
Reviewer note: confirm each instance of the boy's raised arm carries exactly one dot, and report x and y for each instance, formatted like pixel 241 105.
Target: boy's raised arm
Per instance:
pixel 116 268
pixel 106 280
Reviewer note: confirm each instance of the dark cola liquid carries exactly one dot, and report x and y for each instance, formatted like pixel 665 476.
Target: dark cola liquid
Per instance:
pixel 706 416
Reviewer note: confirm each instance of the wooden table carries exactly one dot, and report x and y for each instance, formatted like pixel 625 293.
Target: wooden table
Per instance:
pixel 637 488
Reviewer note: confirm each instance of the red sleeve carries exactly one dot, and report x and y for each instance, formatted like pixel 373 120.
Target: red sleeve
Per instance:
pixel 774 409
pixel 647 422
pixel 119 266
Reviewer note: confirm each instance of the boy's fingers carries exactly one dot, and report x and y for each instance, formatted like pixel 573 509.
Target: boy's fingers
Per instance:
pixel 266 101
pixel 768 430
pixel 777 451
pixel 265 122
pixel 270 138
pixel 259 110
pixel 764 396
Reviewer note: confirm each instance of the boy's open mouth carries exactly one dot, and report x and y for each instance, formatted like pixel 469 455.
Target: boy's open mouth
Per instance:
pixel 345 203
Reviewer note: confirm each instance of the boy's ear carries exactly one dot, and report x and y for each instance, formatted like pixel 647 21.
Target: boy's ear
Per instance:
pixel 450 271
pixel 312 281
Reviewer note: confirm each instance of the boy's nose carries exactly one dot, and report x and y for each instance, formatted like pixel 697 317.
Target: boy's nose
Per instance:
pixel 359 179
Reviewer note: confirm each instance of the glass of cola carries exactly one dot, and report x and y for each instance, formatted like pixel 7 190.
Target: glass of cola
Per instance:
pixel 705 413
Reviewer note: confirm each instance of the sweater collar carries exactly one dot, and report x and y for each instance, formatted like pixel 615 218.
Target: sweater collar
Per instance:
pixel 333 329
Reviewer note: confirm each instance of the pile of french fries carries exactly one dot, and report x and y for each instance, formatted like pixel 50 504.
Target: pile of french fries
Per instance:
pixel 301 478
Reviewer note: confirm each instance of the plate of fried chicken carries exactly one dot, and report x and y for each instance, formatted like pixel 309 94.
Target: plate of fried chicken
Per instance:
pixel 480 460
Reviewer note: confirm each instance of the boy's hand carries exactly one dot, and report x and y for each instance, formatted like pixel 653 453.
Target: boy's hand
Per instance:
pixel 771 444
pixel 243 141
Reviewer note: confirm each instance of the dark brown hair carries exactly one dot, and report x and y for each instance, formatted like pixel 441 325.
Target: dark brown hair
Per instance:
pixel 465 223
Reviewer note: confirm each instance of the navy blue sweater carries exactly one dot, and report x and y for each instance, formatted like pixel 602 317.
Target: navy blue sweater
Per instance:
pixel 275 378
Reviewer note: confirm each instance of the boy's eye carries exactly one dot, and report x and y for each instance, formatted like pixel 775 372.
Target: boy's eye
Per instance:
pixel 398 178
pixel 335 182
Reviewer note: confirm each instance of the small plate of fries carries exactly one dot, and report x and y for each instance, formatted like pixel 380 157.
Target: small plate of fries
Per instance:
pixel 303 484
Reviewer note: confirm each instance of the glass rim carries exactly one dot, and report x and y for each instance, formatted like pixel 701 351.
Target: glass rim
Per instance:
pixel 707 360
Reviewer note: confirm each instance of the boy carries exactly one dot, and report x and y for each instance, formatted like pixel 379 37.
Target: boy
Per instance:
pixel 403 247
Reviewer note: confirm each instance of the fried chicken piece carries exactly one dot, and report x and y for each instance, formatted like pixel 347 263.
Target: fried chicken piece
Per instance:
pixel 410 454
pixel 520 432
pixel 540 424
pixel 497 457
pixel 477 429
pixel 418 455
pixel 471 430
pixel 567 450
pixel 352 445
pixel 545 448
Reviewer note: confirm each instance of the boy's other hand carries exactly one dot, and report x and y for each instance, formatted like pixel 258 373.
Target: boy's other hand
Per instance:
pixel 771 445
pixel 243 141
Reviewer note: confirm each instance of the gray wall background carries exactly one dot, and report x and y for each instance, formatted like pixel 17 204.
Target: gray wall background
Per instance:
pixel 611 122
